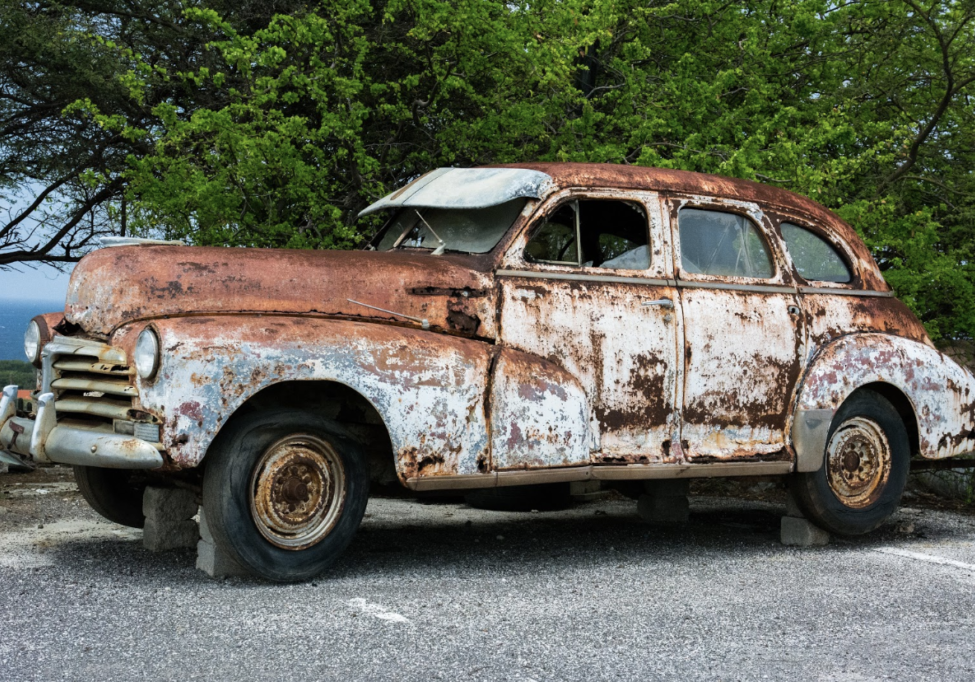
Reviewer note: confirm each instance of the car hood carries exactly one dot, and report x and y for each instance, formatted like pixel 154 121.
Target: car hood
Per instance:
pixel 114 286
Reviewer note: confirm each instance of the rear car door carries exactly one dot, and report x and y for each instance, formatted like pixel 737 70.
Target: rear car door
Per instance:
pixel 743 332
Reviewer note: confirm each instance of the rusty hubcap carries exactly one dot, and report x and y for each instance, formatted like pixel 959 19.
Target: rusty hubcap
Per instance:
pixel 298 489
pixel 858 462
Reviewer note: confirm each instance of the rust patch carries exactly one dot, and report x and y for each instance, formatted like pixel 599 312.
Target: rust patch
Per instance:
pixel 153 283
pixel 449 292
pixel 459 319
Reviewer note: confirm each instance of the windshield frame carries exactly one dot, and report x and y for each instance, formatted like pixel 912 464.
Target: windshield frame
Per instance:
pixel 527 209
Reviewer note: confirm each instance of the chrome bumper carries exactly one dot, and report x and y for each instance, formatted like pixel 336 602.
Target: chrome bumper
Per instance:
pixel 43 440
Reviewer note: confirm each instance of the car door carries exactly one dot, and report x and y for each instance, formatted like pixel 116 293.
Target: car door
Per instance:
pixel 743 332
pixel 588 286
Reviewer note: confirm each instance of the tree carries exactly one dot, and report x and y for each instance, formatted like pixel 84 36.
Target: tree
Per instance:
pixel 62 171
pixel 277 134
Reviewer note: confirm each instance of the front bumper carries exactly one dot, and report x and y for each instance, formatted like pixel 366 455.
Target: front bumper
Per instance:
pixel 44 440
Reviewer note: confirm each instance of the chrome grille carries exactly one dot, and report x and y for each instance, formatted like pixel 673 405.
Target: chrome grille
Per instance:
pixel 91 382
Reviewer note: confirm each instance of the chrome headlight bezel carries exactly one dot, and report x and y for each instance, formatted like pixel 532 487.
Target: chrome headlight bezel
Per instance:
pixel 32 343
pixel 146 355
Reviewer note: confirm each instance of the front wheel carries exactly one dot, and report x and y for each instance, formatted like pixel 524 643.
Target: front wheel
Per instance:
pixel 284 493
pixel 867 461
pixel 116 494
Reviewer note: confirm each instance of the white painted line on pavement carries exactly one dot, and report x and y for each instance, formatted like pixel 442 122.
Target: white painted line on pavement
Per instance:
pixel 377 611
pixel 930 558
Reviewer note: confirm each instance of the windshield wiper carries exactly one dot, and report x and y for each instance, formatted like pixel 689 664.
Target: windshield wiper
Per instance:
pixel 443 245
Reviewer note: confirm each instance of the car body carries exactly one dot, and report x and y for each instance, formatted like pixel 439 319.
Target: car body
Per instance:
pixel 602 322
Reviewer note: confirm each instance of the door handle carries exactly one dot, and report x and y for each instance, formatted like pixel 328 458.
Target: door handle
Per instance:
pixel 662 302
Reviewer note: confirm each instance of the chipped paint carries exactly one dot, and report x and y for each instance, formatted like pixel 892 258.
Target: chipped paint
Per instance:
pixel 941 392
pixel 526 366
pixel 428 388
pixel 166 281
pixel 538 412
pixel 743 353
pixel 623 353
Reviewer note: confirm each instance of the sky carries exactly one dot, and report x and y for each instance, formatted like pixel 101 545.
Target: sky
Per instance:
pixel 43 284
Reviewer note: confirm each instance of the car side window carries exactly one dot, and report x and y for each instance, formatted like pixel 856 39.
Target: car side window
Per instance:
pixel 815 259
pixel 596 233
pixel 555 241
pixel 722 244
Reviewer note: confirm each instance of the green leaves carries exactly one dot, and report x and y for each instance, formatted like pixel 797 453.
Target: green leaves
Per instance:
pixel 864 106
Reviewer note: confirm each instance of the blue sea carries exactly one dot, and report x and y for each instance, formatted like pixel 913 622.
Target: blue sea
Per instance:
pixel 14 316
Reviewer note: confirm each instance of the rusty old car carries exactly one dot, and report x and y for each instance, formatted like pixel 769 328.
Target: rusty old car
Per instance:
pixel 508 326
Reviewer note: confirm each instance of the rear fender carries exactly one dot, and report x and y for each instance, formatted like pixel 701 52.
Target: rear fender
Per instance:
pixel 941 393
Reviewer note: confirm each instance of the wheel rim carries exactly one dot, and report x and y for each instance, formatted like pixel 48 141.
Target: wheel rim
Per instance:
pixel 297 492
pixel 858 462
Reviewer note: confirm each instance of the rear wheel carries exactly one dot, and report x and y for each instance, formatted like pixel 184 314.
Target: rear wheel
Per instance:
pixel 865 468
pixel 113 493
pixel 284 493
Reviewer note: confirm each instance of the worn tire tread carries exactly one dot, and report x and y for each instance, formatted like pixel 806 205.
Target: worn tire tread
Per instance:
pixel 816 499
pixel 229 463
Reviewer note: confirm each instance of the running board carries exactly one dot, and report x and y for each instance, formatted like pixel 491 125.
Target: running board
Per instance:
pixel 633 472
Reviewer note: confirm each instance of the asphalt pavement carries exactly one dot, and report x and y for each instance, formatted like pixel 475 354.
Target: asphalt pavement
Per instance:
pixel 440 591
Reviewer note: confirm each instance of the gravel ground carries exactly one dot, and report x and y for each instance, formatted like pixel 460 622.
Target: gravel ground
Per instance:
pixel 440 591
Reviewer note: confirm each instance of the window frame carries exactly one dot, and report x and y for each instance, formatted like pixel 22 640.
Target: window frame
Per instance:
pixel 542 220
pixel 839 245
pixel 781 275
pixel 650 201
pixel 526 213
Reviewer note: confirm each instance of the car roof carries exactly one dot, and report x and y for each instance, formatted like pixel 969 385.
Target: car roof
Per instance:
pixel 607 175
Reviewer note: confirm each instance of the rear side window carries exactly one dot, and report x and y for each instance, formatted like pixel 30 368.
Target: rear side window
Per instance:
pixel 814 258
pixel 722 244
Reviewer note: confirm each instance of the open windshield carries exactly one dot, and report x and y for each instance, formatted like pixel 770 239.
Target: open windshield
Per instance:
pixel 468 230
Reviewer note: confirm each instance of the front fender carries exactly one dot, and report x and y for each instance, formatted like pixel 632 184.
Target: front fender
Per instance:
pixel 428 388
pixel 941 392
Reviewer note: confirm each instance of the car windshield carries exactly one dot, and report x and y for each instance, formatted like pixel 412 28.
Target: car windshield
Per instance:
pixel 469 230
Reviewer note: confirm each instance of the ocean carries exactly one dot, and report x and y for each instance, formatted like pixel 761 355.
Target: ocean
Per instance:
pixel 14 316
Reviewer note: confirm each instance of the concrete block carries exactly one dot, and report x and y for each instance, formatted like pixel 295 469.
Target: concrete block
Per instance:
pixel 205 533
pixel 792 508
pixel 797 532
pixel 660 510
pixel 169 519
pixel 584 487
pixel 215 562
pixel 668 487
pixel 587 491
pixel 211 559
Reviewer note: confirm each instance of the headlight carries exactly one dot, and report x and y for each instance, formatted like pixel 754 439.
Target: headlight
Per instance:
pixel 32 342
pixel 147 354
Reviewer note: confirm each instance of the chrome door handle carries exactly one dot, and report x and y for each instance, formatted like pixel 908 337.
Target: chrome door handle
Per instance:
pixel 662 302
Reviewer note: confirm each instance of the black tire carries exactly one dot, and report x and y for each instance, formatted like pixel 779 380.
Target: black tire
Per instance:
pixel 113 493
pixel 543 497
pixel 864 470
pixel 284 493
